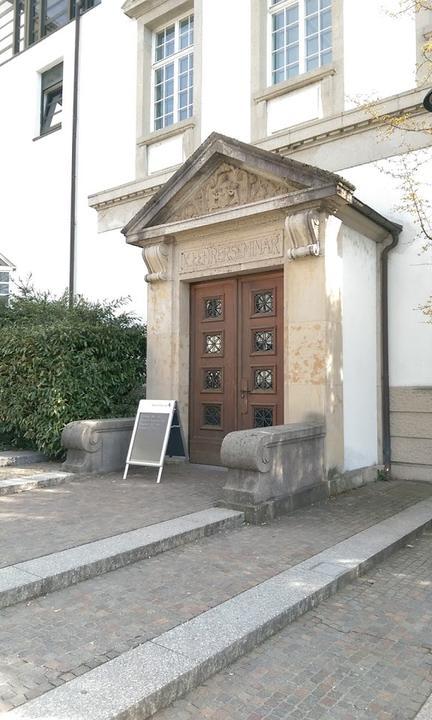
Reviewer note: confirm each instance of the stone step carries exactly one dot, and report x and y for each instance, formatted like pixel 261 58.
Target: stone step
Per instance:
pixel 33 578
pixel 425 712
pixel 21 458
pixel 16 483
pixel 154 674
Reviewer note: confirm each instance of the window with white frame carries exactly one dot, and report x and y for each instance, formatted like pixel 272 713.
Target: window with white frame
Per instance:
pixel 301 37
pixel 173 73
pixel 4 284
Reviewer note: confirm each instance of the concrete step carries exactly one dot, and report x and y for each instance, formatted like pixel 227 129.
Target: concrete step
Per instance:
pixel 33 578
pixel 154 674
pixel 21 458
pixel 16 483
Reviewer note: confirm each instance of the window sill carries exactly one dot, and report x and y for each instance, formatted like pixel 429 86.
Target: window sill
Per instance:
pixel 164 133
pixel 48 132
pixel 295 83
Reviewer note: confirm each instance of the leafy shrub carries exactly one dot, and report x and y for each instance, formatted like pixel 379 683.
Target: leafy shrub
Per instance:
pixel 59 365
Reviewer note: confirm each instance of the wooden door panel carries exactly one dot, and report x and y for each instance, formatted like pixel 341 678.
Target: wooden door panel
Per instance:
pixel 213 368
pixel 261 352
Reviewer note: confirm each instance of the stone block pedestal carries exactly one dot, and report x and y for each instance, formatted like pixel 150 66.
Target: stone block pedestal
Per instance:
pixel 274 470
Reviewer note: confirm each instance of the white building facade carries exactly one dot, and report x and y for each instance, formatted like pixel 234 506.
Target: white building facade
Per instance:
pixel 156 78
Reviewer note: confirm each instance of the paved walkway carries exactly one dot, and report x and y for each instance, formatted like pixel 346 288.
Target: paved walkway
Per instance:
pixel 53 639
pixel 88 508
pixel 365 654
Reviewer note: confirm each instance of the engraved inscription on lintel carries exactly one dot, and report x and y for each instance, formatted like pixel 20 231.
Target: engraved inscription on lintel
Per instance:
pixel 222 254
pixel 228 187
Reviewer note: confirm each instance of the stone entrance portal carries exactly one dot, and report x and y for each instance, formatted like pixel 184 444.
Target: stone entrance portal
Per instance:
pixel 264 310
pixel 236 359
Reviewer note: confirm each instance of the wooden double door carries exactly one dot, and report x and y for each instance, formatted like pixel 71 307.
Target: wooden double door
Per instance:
pixel 236 364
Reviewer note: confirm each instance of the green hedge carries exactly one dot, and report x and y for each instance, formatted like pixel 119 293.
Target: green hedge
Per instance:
pixel 59 365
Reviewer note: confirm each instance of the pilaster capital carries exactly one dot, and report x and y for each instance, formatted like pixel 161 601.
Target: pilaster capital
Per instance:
pixel 156 258
pixel 302 233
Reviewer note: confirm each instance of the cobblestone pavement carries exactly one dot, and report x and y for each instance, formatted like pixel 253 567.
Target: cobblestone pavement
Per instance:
pixel 365 654
pixel 42 521
pixel 53 639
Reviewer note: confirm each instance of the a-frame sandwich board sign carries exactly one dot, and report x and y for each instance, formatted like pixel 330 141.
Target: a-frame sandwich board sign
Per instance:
pixel 157 432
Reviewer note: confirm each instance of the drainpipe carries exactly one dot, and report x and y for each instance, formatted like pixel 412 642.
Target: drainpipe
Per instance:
pixel 72 241
pixel 385 352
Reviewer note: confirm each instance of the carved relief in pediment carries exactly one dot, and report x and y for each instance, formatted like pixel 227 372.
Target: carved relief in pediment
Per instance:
pixel 228 187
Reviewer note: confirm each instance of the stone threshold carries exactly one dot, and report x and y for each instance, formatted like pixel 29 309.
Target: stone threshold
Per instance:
pixel 17 483
pixel 153 675
pixel 32 578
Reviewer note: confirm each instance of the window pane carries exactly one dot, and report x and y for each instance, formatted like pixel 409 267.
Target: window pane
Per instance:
pixel 278 76
pixel 169 88
pixel 169 48
pixel 186 32
pixel 326 57
pixel 4 277
pixel 51 99
pixel 293 71
pixel 4 289
pixel 169 71
pixel 56 15
pixel 326 40
pixel 325 3
pixel 312 46
pixel 278 39
pixel 292 14
pixel 278 21
pixel 325 19
pixel 292 55
pixel 183 65
pixel 292 35
pixel 278 60
pixel 169 33
pixel 312 63
pixel 311 6
pixel 312 25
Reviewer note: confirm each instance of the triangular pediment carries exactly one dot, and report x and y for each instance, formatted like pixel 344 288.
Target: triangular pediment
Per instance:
pixel 5 263
pixel 224 174
pixel 228 186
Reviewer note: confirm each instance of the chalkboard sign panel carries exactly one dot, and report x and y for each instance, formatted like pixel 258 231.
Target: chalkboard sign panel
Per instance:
pixel 157 432
pixel 149 437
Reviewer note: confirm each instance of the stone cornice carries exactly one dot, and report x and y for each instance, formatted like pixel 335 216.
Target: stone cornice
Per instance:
pixel 302 198
pixel 297 83
pixel 347 123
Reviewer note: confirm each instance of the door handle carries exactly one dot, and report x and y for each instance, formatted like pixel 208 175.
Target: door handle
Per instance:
pixel 244 392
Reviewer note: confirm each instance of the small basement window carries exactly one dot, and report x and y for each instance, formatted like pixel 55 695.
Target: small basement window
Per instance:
pixel 51 99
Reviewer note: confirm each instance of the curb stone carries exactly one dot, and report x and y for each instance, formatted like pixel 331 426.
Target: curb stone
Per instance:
pixel 32 578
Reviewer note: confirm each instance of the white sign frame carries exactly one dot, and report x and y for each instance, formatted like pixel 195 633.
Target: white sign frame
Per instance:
pixel 165 407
